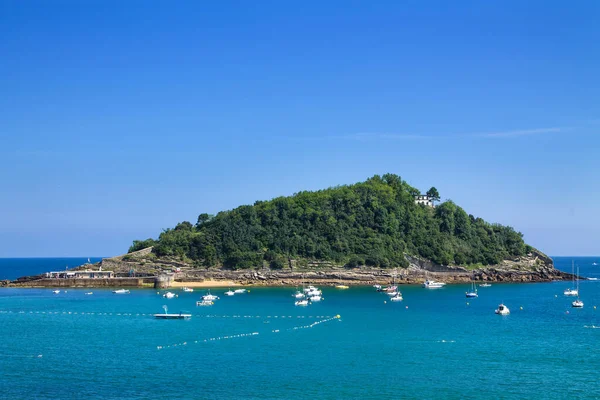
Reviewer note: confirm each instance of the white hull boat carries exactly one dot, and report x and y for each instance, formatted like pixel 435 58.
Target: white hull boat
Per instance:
pixel 121 291
pixel 56 291
pixel 204 303
pixel 229 293
pixel 433 284
pixel 502 310
pixel 315 298
pixel 239 291
pixel 169 295
pixel 301 303
pixel 188 290
pixel 397 297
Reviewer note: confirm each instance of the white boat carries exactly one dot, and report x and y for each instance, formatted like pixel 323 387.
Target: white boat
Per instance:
pixel 342 287
pixel 187 289
pixel 88 293
pixel 433 284
pixel 121 291
pixel 315 298
pixel 56 291
pixel 472 292
pixel 502 310
pixel 309 289
pixel 298 295
pixel 210 297
pixel 397 297
pixel 229 293
pixel 377 287
pixel 204 303
pixel 594 263
pixel 238 291
pixel 485 285
pixel 169 295
pixel 572 291
pixel 314 293
pixel 301 302
pixel 166 315
pixel 577 303
pixel 394 293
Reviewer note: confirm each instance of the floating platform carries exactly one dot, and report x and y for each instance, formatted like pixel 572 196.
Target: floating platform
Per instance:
pixel 173 316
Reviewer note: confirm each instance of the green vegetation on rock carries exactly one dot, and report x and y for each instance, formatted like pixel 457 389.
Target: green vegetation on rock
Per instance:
pixel 372 223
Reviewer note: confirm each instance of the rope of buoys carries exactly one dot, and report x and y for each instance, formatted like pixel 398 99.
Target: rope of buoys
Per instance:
pixel 208 340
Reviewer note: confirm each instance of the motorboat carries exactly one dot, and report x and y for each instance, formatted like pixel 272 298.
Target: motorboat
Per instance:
pixel 472 292
pixel 169 295
pixel 88 293
pixel 502 310
pixel 394 293
pixel 397 297
pixel 389 289
pixel 210 297
pixel 314 293
pixel 238 291
pixel 377 287
pixel 299 295
pixel 56 291
pixel 121 291
pixel 311 288
pixel 303 302
pixel 485 284
pixel 187 289
pixel 315 298
pixel 204 303
pixel 433 284
pixel 229 293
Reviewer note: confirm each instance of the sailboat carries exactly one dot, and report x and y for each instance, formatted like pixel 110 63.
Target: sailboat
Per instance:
pixel 577 303
pixel 571 291
pixel 473 291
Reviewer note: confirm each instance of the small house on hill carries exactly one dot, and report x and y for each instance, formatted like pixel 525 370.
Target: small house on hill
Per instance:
pixel 424 199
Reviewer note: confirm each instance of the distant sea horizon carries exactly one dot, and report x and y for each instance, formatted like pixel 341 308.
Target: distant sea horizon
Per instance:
pixel 15 267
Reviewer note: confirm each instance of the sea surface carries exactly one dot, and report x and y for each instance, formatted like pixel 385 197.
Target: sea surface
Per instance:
pixel 13 268
pixel 258 345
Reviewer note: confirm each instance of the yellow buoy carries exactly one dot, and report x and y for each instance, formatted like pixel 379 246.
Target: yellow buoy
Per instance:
pixel 338 316
pixel 521 307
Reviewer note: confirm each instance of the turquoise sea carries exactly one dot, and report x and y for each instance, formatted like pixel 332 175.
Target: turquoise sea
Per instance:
pixel 434 344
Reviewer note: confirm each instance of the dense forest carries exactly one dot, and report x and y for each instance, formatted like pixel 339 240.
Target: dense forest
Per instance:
pixel 373 223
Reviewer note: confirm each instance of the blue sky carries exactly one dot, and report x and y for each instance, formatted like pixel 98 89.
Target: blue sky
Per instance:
pixel 119 119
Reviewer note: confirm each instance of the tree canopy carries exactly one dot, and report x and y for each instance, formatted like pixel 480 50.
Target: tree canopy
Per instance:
pixel 374 223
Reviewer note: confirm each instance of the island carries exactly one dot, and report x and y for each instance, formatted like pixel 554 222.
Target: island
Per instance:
pixel 372 232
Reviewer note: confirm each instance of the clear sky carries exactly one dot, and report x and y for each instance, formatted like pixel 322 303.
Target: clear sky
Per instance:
pixel 121 118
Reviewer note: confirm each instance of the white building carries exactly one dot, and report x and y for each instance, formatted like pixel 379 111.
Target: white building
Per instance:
pixel 424 199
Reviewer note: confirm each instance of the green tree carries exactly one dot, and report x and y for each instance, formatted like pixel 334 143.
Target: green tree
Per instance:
pixel 433 194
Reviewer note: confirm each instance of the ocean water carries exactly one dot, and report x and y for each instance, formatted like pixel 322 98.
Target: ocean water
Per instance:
pixel 13 268
pixel 434 344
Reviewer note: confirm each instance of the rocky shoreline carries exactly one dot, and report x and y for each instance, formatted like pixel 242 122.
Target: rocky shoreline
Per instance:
pixel 535 267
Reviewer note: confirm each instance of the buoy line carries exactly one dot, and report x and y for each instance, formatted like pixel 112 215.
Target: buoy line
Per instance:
pixel 217 338
pixel 125 314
